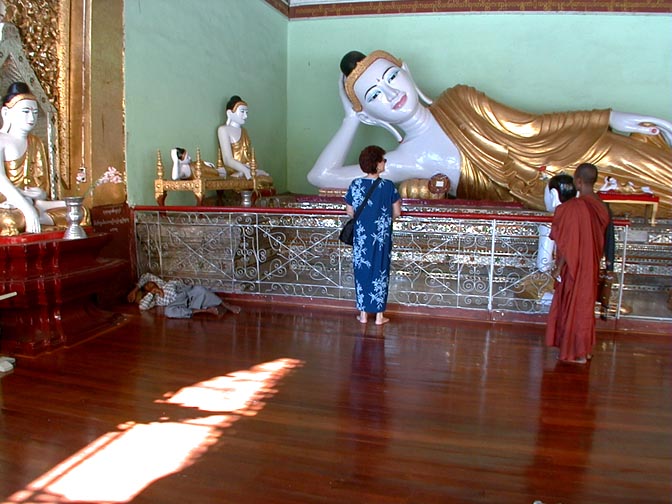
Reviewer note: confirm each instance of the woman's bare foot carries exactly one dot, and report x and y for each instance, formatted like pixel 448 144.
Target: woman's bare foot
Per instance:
pixel 362 318
pixel 380 320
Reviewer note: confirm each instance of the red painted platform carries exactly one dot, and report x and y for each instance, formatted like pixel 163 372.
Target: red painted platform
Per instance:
pixel 61 287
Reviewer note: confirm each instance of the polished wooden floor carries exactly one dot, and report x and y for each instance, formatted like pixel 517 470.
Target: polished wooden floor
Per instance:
pixel 293 405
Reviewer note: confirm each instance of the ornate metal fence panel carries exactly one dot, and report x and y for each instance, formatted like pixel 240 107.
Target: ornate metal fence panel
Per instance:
pixel 472 263
pixel 255 253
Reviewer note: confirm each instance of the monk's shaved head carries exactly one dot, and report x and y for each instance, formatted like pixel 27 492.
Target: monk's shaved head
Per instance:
pixel 587 173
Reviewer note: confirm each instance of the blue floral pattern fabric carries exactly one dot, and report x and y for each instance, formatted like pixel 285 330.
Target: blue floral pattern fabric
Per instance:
pixel 372 248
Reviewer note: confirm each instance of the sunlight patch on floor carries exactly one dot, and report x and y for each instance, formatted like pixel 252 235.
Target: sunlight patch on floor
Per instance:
pixel 119 465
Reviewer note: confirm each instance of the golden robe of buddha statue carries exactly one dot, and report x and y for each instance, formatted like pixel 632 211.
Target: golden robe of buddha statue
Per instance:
pixel 507 154
pixel 29 170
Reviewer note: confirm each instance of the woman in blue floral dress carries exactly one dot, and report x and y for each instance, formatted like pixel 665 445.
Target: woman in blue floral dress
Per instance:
pixel 372 248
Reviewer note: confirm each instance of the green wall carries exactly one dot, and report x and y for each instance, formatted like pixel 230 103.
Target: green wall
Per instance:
pixel 182 64
pixel 536 62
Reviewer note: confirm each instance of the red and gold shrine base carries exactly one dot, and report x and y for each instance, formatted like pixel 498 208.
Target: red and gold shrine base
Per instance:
pixel 627 201
pixel 61 286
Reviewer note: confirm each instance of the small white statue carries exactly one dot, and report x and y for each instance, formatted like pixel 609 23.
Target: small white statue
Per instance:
pixel 182 166
pixel 610 184
pixel 560 188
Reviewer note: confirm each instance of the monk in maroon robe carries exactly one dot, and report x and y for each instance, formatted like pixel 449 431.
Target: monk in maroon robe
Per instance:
pixel 578 230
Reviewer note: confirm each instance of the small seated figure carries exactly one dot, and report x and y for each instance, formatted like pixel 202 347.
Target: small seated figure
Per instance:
pixel 610 184
pixel 24 180
pixel 180 300
pixel 182 166
pixel 234 142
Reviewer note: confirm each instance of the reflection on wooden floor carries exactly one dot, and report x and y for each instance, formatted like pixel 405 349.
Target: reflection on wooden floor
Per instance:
pixel 289 405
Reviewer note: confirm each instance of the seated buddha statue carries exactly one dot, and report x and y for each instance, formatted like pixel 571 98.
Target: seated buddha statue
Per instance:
pixel 24 180
pixel 488 150
pixel 235 144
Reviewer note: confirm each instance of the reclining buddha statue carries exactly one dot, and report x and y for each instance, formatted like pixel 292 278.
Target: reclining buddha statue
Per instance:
pixel 487 150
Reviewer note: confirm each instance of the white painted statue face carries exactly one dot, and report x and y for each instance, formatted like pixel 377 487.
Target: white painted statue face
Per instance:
pixel 386 92
pixel 238 116
pixel 22 116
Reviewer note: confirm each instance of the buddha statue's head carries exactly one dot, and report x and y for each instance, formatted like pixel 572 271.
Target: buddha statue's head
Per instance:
pixel 559 189
pixel 380 85
pixel 19 109
pixel 236 111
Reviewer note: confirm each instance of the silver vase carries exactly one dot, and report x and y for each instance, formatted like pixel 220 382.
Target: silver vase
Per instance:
pixel 75 213
pixel 246 198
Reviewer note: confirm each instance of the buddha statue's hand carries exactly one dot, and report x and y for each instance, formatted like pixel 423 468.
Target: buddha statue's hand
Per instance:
pixel 34 193
pixel 243 171
pixel 365 118
pixel 30 214
pixel 626 122
pixel 345 101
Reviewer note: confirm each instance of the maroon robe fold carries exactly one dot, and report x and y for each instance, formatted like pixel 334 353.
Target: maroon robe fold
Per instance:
pixel 578 231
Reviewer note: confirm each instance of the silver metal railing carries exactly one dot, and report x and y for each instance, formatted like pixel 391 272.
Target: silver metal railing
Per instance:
pixel 467 261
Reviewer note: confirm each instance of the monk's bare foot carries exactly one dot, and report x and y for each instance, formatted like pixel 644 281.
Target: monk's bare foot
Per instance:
pixel 382 320
pixel 580 360
pixel 362 319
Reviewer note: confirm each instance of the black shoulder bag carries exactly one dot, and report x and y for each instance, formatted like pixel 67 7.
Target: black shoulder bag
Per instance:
pixel 347 234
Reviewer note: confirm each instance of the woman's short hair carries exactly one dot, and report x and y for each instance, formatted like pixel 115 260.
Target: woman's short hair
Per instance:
pixel 370 157
pixel 564 184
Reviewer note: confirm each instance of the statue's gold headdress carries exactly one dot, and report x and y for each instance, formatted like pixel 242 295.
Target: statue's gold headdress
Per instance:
pixel 19 97
pixel 359 69
pixel 238 104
